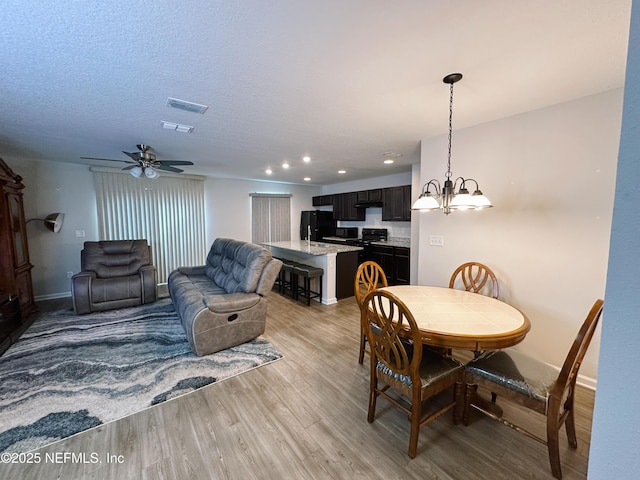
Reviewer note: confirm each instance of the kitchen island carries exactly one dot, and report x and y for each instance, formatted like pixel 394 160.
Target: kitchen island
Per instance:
pixel 339 263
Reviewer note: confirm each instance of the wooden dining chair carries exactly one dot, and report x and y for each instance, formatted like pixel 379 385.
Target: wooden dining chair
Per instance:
pixel 401 370
pixel 534 385
pixel 475 277
pixel 369 276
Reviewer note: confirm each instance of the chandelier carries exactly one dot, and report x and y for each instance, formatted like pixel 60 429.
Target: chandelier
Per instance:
pixel 452 195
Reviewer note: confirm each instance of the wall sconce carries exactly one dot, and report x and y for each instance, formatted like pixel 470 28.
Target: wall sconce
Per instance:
pixel 52 222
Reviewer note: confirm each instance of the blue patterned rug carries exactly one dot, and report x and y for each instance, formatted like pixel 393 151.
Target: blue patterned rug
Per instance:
pixel 69 373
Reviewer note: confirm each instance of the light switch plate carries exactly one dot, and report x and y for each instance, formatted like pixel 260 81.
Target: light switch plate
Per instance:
pixel 436 240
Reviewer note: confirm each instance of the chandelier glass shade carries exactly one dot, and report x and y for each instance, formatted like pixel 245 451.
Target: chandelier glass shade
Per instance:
pixel 451 195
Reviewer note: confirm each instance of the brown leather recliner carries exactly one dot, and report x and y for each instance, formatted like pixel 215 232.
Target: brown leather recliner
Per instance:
pixel 115 274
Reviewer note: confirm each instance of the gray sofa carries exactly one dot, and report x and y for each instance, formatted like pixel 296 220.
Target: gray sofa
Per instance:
pixel 115 274
pixel 222 303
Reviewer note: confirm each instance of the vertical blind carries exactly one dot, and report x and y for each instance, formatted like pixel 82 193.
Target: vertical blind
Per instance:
pixel 168 212
pixel 270 217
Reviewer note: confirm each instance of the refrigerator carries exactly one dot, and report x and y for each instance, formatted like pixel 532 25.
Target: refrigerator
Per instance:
pixel 317 222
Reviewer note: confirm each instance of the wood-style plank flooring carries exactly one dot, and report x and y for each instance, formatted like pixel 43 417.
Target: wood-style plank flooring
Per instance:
pixel 304 417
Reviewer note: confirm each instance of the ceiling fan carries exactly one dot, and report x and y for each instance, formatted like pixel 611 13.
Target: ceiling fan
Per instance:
pixel 145 162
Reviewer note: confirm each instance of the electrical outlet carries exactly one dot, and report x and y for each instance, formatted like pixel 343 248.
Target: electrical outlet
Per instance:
pixel 79 233
pixel 69 274
pixel 436 240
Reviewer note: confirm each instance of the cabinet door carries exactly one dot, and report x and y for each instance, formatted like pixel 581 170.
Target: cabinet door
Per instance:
pixel 406 203
pixel 392 203
pixel 383 256
pixel 402 266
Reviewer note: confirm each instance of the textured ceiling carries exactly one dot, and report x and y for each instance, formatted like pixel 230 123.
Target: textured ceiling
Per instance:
pixel 339 80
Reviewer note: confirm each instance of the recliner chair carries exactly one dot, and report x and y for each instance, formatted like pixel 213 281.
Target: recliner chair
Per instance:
pixel 115 274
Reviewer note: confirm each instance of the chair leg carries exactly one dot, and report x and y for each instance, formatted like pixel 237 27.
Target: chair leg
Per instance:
pixel 373 387
pixel 553 444
pixel 466 411
pixel 363 341
pixel 458 398
pixel 570 424
pixel 416 415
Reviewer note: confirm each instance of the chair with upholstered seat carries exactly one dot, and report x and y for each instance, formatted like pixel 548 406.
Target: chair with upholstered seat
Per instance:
pixel 115 274
pixel 401 370
pixel 475 277
pixel 534 385
pixel 369 276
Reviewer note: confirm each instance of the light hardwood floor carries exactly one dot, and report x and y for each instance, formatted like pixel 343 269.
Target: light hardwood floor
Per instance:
pixel 304 417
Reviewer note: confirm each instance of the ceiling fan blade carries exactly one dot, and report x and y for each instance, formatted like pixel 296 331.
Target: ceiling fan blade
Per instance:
pixel 105 159
pixel 135 156
pixel 129 167
pixel 168 168
pixel 174 162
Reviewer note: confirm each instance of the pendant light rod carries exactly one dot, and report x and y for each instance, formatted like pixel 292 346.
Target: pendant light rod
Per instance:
pixel 451 199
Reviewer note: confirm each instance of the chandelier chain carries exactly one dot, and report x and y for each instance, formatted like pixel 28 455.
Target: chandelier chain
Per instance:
pixel 448 174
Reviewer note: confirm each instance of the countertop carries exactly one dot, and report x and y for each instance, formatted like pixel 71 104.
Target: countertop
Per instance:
pixel 391 241
pixel 312 248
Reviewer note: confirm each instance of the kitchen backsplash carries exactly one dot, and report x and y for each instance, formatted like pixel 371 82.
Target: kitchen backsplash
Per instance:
pixel 374 220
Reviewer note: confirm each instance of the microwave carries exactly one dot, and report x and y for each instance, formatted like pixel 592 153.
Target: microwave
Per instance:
pixel 347 232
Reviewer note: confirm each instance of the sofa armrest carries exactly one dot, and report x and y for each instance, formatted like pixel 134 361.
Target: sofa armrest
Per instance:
pixel 197 270
pixel 81 291
pixel 268 277
pixel 149 279
pixel 231 302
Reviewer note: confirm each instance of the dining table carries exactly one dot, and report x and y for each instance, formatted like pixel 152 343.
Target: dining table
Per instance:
pixel 457 319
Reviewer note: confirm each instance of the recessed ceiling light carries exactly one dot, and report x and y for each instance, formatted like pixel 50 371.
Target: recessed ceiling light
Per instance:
pixel 388 161
pixel 306 159
pixel 268 171
pixel 342 171
pixel 307 179
pixel 285 165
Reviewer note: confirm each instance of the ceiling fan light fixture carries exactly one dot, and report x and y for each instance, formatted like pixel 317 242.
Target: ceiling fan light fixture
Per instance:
pixel 150 173
pixel 136 172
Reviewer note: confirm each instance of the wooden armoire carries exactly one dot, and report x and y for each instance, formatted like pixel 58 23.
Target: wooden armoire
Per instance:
pixel 15 267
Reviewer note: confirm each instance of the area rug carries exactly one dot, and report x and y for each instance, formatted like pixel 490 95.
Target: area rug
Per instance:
pixel 69 373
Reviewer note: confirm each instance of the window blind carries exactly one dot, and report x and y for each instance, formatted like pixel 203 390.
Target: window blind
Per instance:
pixel 270 217
pixel 168 212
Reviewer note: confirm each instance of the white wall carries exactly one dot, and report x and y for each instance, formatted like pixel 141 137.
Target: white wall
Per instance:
pixel 228 206
pixel 49 188
pixel 550 174
pixel 616 422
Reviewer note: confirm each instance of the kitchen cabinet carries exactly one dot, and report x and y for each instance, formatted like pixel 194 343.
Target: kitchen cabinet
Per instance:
pixel 394 261
pixel 374 195
pixel 322 200
pixel 401 266
pixel 344 209
pixel 396 203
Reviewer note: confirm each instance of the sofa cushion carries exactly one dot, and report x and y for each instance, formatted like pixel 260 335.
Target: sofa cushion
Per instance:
pixel 236 266
pixel 110 289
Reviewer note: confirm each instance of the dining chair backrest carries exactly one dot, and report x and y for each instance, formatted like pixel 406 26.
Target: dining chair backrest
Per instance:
pixel 393 334
pixel 569 373
pixel 369 277
pixel 475 277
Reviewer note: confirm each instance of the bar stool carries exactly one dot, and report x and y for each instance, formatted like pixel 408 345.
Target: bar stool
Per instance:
pixel 307 272
pixel 287 279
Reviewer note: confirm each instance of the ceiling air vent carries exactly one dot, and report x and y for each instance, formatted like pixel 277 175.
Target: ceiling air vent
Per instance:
pixel 187 106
